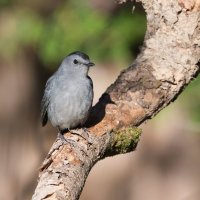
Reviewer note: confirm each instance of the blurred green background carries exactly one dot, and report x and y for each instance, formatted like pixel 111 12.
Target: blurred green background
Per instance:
pixel 61 26
pixel 34 38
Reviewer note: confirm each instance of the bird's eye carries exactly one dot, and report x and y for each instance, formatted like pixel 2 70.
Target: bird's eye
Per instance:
pixel 75 61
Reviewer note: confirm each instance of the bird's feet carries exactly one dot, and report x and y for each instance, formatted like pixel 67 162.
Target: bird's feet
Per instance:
pixel 83 133
pixel 65 140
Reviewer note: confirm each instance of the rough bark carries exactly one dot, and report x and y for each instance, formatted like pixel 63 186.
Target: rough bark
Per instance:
pixel 168 61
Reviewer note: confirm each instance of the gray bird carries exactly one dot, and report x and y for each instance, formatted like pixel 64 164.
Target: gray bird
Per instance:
pixel 68 93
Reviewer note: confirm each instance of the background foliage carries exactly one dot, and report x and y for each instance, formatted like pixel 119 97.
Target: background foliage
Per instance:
pixel 72 25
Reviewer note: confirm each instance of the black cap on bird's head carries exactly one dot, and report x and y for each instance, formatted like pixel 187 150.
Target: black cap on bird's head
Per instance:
pixel 81 54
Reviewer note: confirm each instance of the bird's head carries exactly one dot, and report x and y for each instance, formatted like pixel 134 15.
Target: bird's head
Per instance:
pixel 78 62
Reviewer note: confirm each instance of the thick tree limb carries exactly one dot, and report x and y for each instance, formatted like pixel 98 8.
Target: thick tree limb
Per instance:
pixel 168 61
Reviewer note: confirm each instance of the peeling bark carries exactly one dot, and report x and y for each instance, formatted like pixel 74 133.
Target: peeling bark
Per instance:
pixel 168 61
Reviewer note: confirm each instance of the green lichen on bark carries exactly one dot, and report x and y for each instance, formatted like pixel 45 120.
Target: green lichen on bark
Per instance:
pixel 125 140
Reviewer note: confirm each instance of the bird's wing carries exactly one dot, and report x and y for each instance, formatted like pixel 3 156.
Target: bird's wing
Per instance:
pixel 91 83
pixel 45 101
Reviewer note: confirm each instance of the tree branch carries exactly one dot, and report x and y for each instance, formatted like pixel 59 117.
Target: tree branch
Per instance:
pixel 168 61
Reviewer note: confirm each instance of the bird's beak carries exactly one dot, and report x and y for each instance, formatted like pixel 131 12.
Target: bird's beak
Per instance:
pixel 90 64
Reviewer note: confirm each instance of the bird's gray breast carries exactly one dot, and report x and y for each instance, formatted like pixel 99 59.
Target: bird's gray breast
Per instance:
pixel 70 102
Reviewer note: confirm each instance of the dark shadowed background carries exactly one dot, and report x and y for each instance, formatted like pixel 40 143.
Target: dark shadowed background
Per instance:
pixel 34 38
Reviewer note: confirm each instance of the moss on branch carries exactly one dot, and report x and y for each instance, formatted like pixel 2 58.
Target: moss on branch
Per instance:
pixel 124 141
